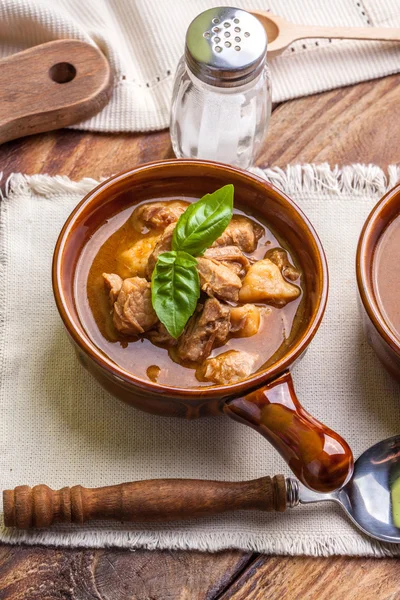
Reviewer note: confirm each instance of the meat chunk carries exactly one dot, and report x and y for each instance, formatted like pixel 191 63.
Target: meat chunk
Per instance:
pixel 133 261
pixel 160 336
pixel 280 257
pixel 113 284
pixel 265 283
pixel 164 244
pixel 133 310
pixel 246 319
pixel 218 280
pixel 241 232
pixel 226 368
pixel 230 256
pixel 206 329
pixel 157 215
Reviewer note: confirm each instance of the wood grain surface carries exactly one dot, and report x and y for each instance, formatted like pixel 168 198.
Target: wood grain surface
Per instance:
pixel 49 574
pixel 355 124
pixel 304 578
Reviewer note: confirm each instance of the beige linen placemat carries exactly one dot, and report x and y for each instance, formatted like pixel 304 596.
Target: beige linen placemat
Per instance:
pixel 143 40
pixel 59 427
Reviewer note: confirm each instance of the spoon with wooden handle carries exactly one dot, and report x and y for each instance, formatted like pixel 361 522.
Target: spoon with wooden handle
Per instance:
pixel 371 498
pixel 152 500
pixel 50 86
pixel 282 33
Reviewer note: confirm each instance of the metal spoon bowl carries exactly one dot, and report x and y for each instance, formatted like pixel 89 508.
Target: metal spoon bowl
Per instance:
pixel 368 497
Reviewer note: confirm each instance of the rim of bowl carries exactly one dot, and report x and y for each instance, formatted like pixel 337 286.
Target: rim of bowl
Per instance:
pixel 364 268
pixel 89 347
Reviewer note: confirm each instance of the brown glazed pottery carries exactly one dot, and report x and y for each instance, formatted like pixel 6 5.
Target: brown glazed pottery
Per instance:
pixel 266 401
pixel 379 335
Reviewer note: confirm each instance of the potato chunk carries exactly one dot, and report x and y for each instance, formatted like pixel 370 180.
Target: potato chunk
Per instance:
pixel 246 319
pixel 264 283
pixel 228 367
pixel 133 261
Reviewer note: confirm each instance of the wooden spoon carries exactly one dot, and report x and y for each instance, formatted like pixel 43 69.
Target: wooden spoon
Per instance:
pixel 51 86
pixel 282 33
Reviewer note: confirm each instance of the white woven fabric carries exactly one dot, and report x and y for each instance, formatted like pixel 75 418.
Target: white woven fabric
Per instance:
pixel 59 427
pixel 143 40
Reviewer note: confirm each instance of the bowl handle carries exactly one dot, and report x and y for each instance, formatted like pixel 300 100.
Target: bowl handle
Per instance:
pixel 318 456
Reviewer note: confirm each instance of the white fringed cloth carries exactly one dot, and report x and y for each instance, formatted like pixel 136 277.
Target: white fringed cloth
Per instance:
pixel 59 427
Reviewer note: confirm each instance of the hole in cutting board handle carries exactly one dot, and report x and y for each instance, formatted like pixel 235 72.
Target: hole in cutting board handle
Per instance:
pixel 62 72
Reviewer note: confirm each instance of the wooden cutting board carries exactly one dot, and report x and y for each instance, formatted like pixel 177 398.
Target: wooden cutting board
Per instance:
pixel 50 86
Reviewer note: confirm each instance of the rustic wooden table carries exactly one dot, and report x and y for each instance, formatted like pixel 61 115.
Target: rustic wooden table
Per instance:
pixel 355 124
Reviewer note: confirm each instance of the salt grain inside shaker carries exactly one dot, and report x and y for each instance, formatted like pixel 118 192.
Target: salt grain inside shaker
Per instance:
pixel 221 102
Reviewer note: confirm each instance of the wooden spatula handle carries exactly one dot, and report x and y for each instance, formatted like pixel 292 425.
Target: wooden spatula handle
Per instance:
pixel 51 86
pixel 153 500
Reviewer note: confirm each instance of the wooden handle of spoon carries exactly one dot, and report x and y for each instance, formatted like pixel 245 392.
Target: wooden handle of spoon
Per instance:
pixel 383 34
pixel 288 32
pixel 51 86
pixel 153 500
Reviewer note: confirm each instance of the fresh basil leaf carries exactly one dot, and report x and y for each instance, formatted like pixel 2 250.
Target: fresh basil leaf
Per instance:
pixel 204 221
pixel 175 289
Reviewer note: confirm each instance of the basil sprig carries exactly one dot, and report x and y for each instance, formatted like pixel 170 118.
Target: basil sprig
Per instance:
pixel 175 289
pixel 204 221
pixel 175 284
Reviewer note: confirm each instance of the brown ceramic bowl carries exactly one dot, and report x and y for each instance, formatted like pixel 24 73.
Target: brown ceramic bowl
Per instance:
pixel 379 335
pixel 318 456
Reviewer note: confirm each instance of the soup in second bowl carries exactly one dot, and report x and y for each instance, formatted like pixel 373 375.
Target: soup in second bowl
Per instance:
pixel 386 275
pixel 248 312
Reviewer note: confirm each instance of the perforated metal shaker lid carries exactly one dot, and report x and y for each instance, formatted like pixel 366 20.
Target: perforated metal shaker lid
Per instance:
pixel 225 46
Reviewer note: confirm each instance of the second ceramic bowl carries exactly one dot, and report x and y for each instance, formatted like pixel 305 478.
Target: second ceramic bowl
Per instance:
pixel 379 334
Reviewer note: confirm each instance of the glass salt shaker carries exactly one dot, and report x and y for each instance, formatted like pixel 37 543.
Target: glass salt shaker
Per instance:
pixel 221 102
